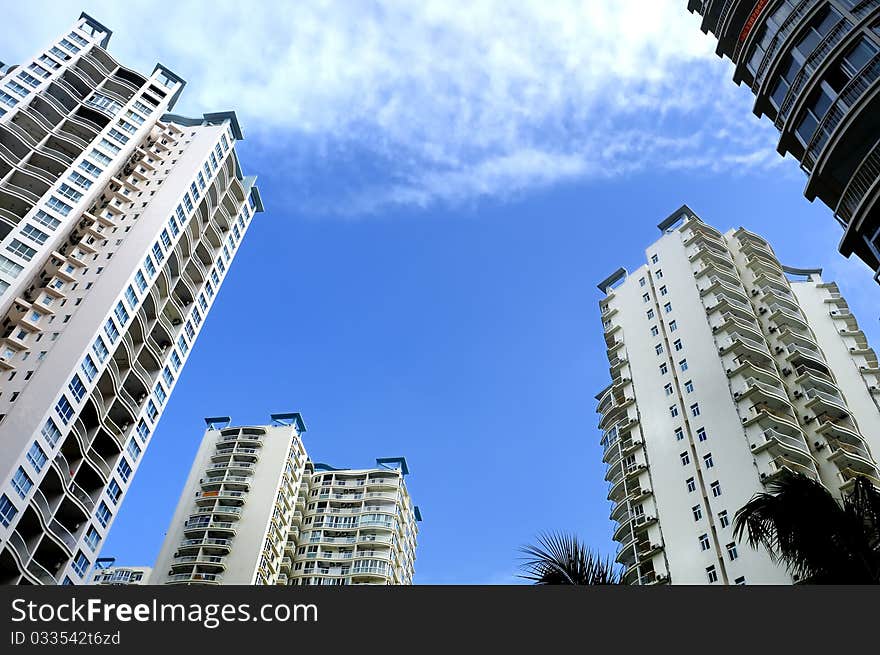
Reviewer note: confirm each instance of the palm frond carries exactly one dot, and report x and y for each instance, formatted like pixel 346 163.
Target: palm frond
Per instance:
pixel 561 559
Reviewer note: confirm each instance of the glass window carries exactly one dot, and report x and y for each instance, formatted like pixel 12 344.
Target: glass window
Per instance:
pixel 22 482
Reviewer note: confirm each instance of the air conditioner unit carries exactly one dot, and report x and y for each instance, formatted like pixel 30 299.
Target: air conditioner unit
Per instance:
pixel 773 330
pixel 754 292
pixel 798 394
pixel 779 349
pixel 762 310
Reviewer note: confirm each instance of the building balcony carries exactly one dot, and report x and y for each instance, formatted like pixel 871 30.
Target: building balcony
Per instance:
pixel 790 442
pixel 766 415
pixel 726 303
pixel 753 390
pixel 821 402
pixel 195 578
pixel 211 545
pixel 781 464
pixel 760 264
pixel 716 284
pixel 201 527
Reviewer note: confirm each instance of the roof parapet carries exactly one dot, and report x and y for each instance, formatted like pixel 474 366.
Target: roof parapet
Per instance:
pixel 682 213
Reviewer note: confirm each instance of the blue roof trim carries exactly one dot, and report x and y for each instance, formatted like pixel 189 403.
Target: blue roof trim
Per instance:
pixel 676 216
pixel 170 74
pixel 290 417
pixel 211 420
pixel 258 200
pixel 417 512
pixel 320 466
pixel 98 26
pixel 401 461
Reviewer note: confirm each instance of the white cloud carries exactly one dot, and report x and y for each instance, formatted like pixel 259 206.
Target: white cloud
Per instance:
pixel 452 101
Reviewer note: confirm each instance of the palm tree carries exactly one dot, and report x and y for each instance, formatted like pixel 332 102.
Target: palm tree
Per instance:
pixel 561 559
pixel 820 540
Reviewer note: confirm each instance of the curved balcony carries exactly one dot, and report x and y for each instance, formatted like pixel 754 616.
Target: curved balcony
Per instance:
pixel 811 65
pixel 195 578
pixel 211 545
pixel 848 477
pixel 791 443
pixel 722 287
pixel 767 416
pixel 769 395
pixel 852 100
pixel 208 563
pixel 238 453
pixel 727 304
pixel 226 496
pixel 782 464
pixel 822 402
pixel 202 528
pixel 860 194
pixel 791 23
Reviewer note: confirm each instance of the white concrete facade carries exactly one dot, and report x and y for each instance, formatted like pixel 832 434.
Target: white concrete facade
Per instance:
pixel 726 368
pixel 256 510
pixel 119 224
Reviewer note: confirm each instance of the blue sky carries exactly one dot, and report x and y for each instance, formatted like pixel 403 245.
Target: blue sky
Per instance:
pixel 445 185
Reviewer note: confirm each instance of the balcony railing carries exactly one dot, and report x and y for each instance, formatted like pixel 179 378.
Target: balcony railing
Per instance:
pixel 860 184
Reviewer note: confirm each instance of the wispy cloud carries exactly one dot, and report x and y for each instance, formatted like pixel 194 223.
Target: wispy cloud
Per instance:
pixel 438 101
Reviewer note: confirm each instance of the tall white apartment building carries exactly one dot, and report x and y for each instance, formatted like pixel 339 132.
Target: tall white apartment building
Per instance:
pixel 256 510
pixel 118 224
pixel 727 368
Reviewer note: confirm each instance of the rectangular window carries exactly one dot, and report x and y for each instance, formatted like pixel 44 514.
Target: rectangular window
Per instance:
pixel 140 281
pixel 92 538
pixel 21 482
pixel 69 192
pixel 698 512
pixel 100 157
pixel 691 485
pixel 44 219
pixel 168 377
pixel 103 514
pixel 157 252
pixel 707 460
pixel 731 551
pixel 723 519
pixel 175 360
pixel 689 386
pixel 673 326
pixel 704 542
pixel 668 389
pixel 685 458
pixel 172 223
pixel 664 291
pixel 128 127
pixel 111 330
pixel 77 388
pixel 37 236
pixel 160 394
pixel 16 247
pixel 673 411
pixel 716 488
pixel 90 168
pixel 701 434
pixel 55 204
pixel 114 491
pixel 123 469
pixel 116 135
pixel 679 434
pixel 695 409
pixel 711 574
pixel 131 297
pixel 64 409
pixel 152 412
pixel 190 331
pixel 89 368
pixel 181 343
pixel 10 267
pixel 658 349
pixel 683 365
pixel 143 431
pixel 133 450
pixel 645 297
pixel 187 202
pixel 50 432
pixel 100 349
pixel 654 259
pixel 7 510
pixel 80 180
pixel 121 313
pixel 181 216
pixel 166 239
pixel 80 564
pixel 678 345
pixel 149 267
pixel 36 457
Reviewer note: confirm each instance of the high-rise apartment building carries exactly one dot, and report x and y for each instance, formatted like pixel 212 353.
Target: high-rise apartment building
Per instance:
pixel 814 67
pixel 118 224
pixel 727 368
pixel 256 510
